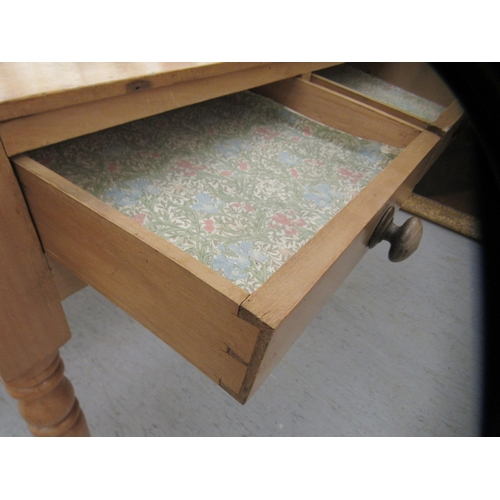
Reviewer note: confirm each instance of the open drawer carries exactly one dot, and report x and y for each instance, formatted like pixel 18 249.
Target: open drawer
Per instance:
pixel 223 227
pixel 410 91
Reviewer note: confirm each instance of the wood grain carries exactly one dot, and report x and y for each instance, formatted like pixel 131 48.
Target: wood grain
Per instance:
pixel 66 282
pixel 449 120
pixel 31 88
pixel 234 338
pixel 340 112
pixel 47 402
pixel 358 96
pixel 276 298
pixel 31 132
pixel 183 302
pixel 288 301
pixel 32 321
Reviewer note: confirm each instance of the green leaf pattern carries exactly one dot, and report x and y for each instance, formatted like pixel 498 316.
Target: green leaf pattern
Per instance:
pixel 239 182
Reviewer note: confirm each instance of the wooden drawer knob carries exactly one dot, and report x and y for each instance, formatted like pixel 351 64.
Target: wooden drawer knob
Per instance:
pixel 404 239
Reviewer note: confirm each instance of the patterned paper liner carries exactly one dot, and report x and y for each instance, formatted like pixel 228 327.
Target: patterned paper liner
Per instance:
pixel 239 182
pixel 382 91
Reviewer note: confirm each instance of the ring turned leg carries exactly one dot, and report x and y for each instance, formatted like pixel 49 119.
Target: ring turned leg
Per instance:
pixel 46 400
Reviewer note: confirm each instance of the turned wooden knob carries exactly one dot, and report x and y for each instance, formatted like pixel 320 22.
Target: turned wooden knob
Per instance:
pixel 404 239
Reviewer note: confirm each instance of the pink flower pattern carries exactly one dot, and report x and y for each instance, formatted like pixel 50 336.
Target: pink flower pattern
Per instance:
pixel 209 225
pixel 189 168
pixel 286 223
pixel 140 218
pixel 240 182
pixel 353 177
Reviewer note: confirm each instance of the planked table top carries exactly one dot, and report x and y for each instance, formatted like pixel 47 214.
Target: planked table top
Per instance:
pixel 30 88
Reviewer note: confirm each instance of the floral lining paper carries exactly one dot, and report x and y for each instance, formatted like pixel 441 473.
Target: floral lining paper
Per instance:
pixel 239 182
pixel 382 91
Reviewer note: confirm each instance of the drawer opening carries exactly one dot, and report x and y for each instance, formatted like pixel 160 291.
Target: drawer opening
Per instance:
pixel 240 183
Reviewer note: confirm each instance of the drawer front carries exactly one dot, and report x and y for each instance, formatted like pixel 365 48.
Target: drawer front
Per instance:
pixel 233 336
pixel 286 303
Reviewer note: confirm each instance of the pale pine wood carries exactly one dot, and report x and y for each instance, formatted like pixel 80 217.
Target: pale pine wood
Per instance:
pixel 31 88
pixel 66 282
pixel 353 94
pixel 340 112
pixel 231 354
pixel 46 401
pixel 31 132
pixel 255 365
pixel 275 299
pixel 449 120
pixel 32 322
pixel 234 338
pixel 289 300
pixel 183 302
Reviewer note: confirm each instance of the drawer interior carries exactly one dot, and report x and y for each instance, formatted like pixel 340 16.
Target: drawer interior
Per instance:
pixel 383 91
pixel 239 182
pixel 412 91
pixel 224 226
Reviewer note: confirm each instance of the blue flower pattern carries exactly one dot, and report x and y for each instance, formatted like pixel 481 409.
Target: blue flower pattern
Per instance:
pixel 321 195
pixel 207 204
pixel 227 265
pixel 235 267
pixel 230 148
pixel 370 152
pixel 128 193
pixel 286 158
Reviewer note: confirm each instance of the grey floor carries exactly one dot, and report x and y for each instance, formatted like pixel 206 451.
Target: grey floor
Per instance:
pixel 396 352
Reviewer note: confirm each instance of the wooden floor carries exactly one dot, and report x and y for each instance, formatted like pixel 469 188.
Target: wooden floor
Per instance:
pixel 396 352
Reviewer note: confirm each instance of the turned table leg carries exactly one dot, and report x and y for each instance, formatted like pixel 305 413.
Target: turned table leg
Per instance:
pixel 46 400
pixel 33 325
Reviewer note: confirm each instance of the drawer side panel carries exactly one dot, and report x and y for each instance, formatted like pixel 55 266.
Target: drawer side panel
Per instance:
pixel 195 314
pixel 340 112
